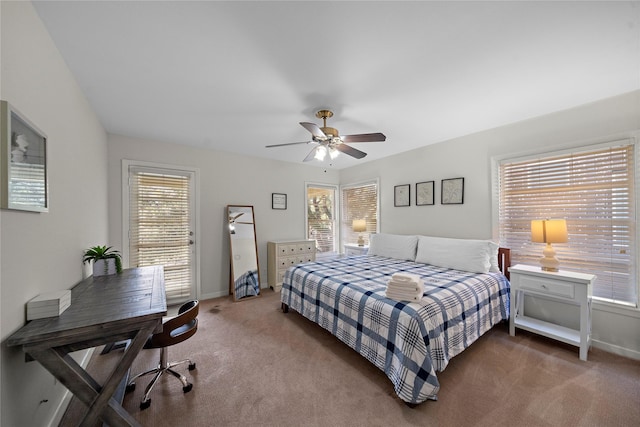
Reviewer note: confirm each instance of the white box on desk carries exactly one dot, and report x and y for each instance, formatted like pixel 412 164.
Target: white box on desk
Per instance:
pixel 49 304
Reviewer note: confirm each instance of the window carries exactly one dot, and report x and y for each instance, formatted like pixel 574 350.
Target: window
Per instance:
pixel 593 189
pixel 161 230
pixel 359 201
pixel 321 217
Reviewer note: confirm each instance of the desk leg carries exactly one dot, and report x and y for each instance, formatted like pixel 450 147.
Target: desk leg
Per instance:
pixel 116 376
pixel 81 384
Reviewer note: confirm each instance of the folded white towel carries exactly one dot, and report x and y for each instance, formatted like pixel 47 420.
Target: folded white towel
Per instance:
pixel 404 293
pixel 405 277
pixel 406 286
pixel 399 297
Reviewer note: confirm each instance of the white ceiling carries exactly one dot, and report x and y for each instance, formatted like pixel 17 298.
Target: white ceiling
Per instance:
pixel 237 76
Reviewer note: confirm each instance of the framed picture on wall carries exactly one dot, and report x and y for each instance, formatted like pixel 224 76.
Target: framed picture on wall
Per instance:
pixel 24 163
pixel 402 195
pixel 424 193
pixel 278 201
pixel 452 191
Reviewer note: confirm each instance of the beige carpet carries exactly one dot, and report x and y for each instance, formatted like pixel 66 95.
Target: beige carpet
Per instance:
pixel 257 366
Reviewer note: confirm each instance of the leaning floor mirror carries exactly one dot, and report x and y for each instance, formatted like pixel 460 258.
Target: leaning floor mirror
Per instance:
pixel 244 280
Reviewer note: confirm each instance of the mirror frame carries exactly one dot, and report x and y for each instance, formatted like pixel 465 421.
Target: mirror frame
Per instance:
pixel 232 276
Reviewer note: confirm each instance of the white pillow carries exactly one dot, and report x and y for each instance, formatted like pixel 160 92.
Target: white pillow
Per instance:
pixel 493 256
pixel 460 254
pixel 393 246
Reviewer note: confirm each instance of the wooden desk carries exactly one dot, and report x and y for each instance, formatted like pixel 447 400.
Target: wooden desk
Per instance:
pixel 103 310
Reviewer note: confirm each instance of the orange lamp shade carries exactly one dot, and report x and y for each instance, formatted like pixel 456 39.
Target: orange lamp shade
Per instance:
pixel 359 225
pixel 549 231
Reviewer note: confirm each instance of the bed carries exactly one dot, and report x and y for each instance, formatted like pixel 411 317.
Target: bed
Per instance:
pixel 410 342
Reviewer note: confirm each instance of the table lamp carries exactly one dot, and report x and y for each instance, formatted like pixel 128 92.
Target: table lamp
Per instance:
pixel 549 231
pixel 360 226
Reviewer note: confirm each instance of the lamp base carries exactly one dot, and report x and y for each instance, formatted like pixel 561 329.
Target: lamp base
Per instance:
pixel 549 262
pixel 360 240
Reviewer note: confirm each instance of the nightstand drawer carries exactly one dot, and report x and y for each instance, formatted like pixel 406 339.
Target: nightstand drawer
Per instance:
pixel 547 287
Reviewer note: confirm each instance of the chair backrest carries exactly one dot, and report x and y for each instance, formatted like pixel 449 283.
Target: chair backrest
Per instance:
pixel 179 328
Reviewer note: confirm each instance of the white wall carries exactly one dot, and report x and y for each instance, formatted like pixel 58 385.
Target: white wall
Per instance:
pixel 616 330
pixel 225 179
pixel 36 80
pixel 42 251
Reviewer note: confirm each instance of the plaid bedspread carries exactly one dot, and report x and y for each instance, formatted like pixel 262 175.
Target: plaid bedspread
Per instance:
pixel 247 284
pixel 408 341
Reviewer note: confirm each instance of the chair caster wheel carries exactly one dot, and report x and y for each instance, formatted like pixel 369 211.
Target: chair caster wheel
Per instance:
pixel 145 404
pixel 187 388
pixel 192 366
pixel 130 387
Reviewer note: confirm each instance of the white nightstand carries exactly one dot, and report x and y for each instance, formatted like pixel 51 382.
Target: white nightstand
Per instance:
pixel 564 286
pixel 354 249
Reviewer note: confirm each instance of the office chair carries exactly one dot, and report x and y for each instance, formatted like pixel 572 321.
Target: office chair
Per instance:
pixel 174 331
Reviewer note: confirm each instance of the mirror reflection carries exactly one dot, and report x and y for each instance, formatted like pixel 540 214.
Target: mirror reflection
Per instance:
pixel 245 275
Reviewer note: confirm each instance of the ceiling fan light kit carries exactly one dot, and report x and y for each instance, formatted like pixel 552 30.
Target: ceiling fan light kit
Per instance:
pixel 330 140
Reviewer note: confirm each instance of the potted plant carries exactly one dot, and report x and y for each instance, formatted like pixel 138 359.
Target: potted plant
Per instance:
pixel 105 260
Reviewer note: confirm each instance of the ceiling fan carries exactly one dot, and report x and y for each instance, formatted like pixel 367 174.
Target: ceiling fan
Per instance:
pixel 330 142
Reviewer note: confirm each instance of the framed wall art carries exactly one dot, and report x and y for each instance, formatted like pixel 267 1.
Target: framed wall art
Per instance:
pixel 424 193
pixel 278 201
pixel 23 168
pixel 402 195
pixel 452 191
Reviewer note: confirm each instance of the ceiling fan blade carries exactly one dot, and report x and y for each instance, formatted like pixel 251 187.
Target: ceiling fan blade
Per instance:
pixel 350 151
pixel 314 129
pixel 312 154
pixel 364 137
pixel 288 143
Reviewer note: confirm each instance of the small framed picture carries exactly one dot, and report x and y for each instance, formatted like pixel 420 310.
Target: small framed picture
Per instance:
pixel 278 201
pixel 452 191
pixel 424 193
pixel 402 195
pixel 24 182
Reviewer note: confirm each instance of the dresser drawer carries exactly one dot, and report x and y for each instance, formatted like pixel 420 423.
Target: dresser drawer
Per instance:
pixel 287 261
pixel 306 258
pixel 306 248
pixel 290 249
pixel 544 286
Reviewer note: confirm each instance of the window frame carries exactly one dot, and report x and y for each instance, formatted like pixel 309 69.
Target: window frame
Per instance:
pixel 374 181
pixel 336 218
pixel 584 146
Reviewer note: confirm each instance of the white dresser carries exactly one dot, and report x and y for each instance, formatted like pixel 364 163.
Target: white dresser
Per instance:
pixel 284 254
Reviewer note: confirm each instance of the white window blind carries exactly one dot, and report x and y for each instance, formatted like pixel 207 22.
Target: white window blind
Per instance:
pixel 594 191
pixel 159 229
pixel 359 202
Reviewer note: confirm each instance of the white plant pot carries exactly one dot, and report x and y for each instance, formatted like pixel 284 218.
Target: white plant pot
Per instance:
pixel 99 270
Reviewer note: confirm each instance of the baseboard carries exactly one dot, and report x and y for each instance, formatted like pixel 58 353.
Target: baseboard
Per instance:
pixel 213 295
pixel 58 413
pixel 219 294
pixel 616 349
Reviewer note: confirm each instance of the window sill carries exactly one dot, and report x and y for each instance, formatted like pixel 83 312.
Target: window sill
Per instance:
pixel 616 308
